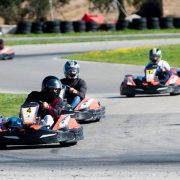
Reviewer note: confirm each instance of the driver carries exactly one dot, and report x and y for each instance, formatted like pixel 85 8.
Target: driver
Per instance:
pixel 52 104
pixel 164 68
pixel 77 86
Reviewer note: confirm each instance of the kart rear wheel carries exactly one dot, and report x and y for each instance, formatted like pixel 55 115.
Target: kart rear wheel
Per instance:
pixel 2 146
pixel 173 94
pixel 130 95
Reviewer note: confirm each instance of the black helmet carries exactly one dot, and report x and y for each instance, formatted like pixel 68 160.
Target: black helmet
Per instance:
pixel 71 69
pixel 51 82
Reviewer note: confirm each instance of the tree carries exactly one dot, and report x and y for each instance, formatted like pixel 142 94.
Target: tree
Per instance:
pixel 17 10
pixel 10 10
pixel 104 4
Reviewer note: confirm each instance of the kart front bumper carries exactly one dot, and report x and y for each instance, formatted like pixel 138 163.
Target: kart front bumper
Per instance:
pixel 90 115
pixel 41 136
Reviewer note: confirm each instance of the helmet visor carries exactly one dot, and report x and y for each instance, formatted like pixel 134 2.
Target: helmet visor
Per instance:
pixel 72 71
pixel 154 58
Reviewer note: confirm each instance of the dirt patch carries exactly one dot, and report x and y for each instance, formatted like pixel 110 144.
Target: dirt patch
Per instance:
pixel 76 9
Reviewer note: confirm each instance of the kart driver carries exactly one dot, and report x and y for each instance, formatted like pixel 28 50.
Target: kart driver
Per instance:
pixel 51 104
pixel 77 86
pixel 164 68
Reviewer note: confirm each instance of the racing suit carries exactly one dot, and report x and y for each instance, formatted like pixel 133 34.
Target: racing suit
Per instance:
pixel 163 72
pixel 78 84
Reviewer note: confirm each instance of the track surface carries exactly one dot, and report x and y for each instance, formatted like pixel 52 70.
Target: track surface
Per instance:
pixel 138 139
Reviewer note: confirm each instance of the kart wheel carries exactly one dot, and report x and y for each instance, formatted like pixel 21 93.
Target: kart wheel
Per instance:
pixel 66 144
pixel 130 95
pixel 2 146
pixel 173 94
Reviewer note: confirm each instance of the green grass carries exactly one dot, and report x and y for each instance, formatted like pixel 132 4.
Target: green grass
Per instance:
pixel 136 56
pixel 10 104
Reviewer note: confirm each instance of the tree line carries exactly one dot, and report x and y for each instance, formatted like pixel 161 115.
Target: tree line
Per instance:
pixel 13 11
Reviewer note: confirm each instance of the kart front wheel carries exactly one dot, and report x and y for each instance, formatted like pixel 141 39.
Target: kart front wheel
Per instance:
pixel 66 144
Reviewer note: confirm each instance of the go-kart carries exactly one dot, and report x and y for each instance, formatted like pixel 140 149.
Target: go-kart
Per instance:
pixel 150 83
pixel 88 110
pixel 6 54
pixel 29 129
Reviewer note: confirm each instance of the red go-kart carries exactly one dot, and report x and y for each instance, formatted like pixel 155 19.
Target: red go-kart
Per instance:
pixel 88 110
pixel 150 83
pixel 29 129
pixel 6 54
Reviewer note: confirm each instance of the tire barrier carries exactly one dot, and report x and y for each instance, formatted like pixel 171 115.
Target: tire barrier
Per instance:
pixel 177 22
pixel 37 27
pixel 108 27
pixel 67 27
pixel 122 24
pixel 166 22
pixel 79 26
pixel 153 23
pixel 24 27
pixel 91 26
pixel 139 23
pixel 52 27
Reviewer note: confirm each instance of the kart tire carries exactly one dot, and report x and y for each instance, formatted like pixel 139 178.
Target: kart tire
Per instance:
pixel 3 146
pixel 130 95
pixel 67 144
pixel 173 94
pixel 97 120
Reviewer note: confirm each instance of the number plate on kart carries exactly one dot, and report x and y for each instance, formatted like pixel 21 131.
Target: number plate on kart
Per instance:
pixel 29 115
pixel 150 75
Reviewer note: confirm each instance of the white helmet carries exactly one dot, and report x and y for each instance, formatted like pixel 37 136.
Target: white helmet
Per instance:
pixel 71 69
pixel 155 55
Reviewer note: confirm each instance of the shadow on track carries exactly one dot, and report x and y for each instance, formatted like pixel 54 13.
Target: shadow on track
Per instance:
pixel 38 146
pixel 139 96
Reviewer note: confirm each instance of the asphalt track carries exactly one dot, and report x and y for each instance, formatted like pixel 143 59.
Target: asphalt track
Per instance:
pixel 139 138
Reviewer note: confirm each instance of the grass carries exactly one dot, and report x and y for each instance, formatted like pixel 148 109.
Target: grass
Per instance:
pixel 136 56
pixel 10 104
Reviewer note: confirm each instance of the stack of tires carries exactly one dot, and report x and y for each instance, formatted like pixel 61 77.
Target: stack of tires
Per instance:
pixel 122 24
pixel 139 23
pixel 91 26
pixel 166 22
pixel 79 26
pixel 37 27
pixel 153 23
pixel 177 22
pixel 24 27
pixel 67 27
pixel 51 27
pixel 108 27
